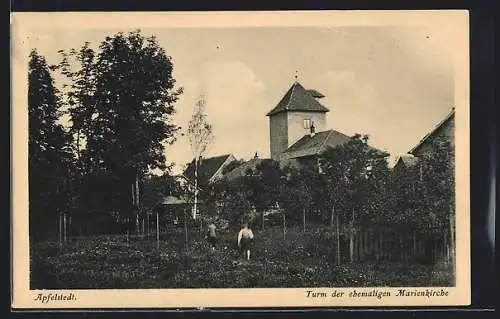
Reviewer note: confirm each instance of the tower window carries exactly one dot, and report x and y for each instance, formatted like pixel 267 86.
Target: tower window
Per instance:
pixel 307 123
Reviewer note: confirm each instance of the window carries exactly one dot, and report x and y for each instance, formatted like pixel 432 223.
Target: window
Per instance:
pixel 307 123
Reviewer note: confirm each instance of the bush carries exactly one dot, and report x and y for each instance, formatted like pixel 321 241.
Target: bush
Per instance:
pixel 302 260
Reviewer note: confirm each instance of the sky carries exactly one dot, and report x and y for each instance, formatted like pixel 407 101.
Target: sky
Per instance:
pixel 394 83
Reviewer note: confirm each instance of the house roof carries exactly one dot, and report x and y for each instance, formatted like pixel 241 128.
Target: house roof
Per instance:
pixel 312 145
pixel 433 132
pixel 172 200
pixel 408 160
pixel 207 168
pixel 242 169
pixel 297 98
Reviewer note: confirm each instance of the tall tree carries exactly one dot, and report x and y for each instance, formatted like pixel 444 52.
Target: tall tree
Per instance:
pixel 357 175
pixel 123 99
pixel 438 184
pixel 264 183
pixel 49 152
pixel 298 196
pixel 201 137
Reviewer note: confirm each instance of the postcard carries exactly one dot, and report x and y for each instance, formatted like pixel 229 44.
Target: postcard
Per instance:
pixel 240 159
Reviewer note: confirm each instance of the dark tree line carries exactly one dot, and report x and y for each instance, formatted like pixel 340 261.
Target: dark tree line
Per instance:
pixel 119 101
pixel 348 188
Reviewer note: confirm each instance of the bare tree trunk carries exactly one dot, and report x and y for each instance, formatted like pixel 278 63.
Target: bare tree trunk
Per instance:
pixel 284 225
pixel 185 227
pixel 331 216
pixel 401 246
pixel 304 218
pixel 338 238
pixel 157 230
pixel 147 226
pixel 195 206
pixel 136 196
pixel 263 219
pixel 70 229
pixel 65 228
pixel 143 231
pixel 78 149
pixel 351 238
pixel 452 242
pixel 60 228
pixel 415 247
pixel 362 241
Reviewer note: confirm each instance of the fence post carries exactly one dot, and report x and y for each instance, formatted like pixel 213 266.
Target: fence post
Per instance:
pixel 60 228
pixel 64 219
pixel 157 230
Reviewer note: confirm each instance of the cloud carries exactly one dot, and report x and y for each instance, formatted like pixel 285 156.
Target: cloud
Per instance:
pixel 233 93
pixel 346 88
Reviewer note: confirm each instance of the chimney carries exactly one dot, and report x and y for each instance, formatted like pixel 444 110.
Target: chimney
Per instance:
pixel 256 156
pixel 200 158
pixel 313 129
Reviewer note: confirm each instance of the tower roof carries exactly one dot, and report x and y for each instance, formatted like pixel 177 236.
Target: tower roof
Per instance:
pixel 297 98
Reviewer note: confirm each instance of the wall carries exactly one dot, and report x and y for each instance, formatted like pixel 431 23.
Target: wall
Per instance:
pixel 296 124
pixel 278 134
pixel 447 130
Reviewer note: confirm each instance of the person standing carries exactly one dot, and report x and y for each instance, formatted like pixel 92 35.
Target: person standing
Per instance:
pixel 245 239
pixel 211 236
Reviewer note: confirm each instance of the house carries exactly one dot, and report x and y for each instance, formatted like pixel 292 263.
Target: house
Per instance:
pixel 404 163
pixel 444 129
pixel 242 169
pixel 298 128
pixel 209 169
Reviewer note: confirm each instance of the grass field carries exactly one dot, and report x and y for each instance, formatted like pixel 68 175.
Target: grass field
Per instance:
pixel 303 260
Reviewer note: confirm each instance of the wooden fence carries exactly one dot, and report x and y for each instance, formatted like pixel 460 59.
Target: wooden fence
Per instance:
pixel 397 244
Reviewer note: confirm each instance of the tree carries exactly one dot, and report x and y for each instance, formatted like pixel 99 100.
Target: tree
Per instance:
pixel 356 175
pixel 122 100
pixel 233 198
pixel 49 156
pixel 298 195
pixel 200 137
pixel 423 196
pixel 264 186
pixel 438 188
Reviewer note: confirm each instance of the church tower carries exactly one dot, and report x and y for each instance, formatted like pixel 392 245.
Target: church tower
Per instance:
pixel 298 113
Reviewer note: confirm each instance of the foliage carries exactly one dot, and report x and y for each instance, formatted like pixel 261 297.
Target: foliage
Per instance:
pixel 158 187
pixel 200 132
pixel 357 177
pixel 303 260
pixel 49 156
pixel 200 135
pixel 229 167
pixel 423 195
pixel 121 99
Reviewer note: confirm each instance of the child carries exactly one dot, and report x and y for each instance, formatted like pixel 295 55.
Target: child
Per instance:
pixel 211 238
pixel 245 238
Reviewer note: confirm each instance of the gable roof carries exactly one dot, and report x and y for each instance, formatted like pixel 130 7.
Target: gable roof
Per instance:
pixel 423 141
pixel 242 169
pixel 408 160
pixel 312 145
pixel 207 168
pixel 297 98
